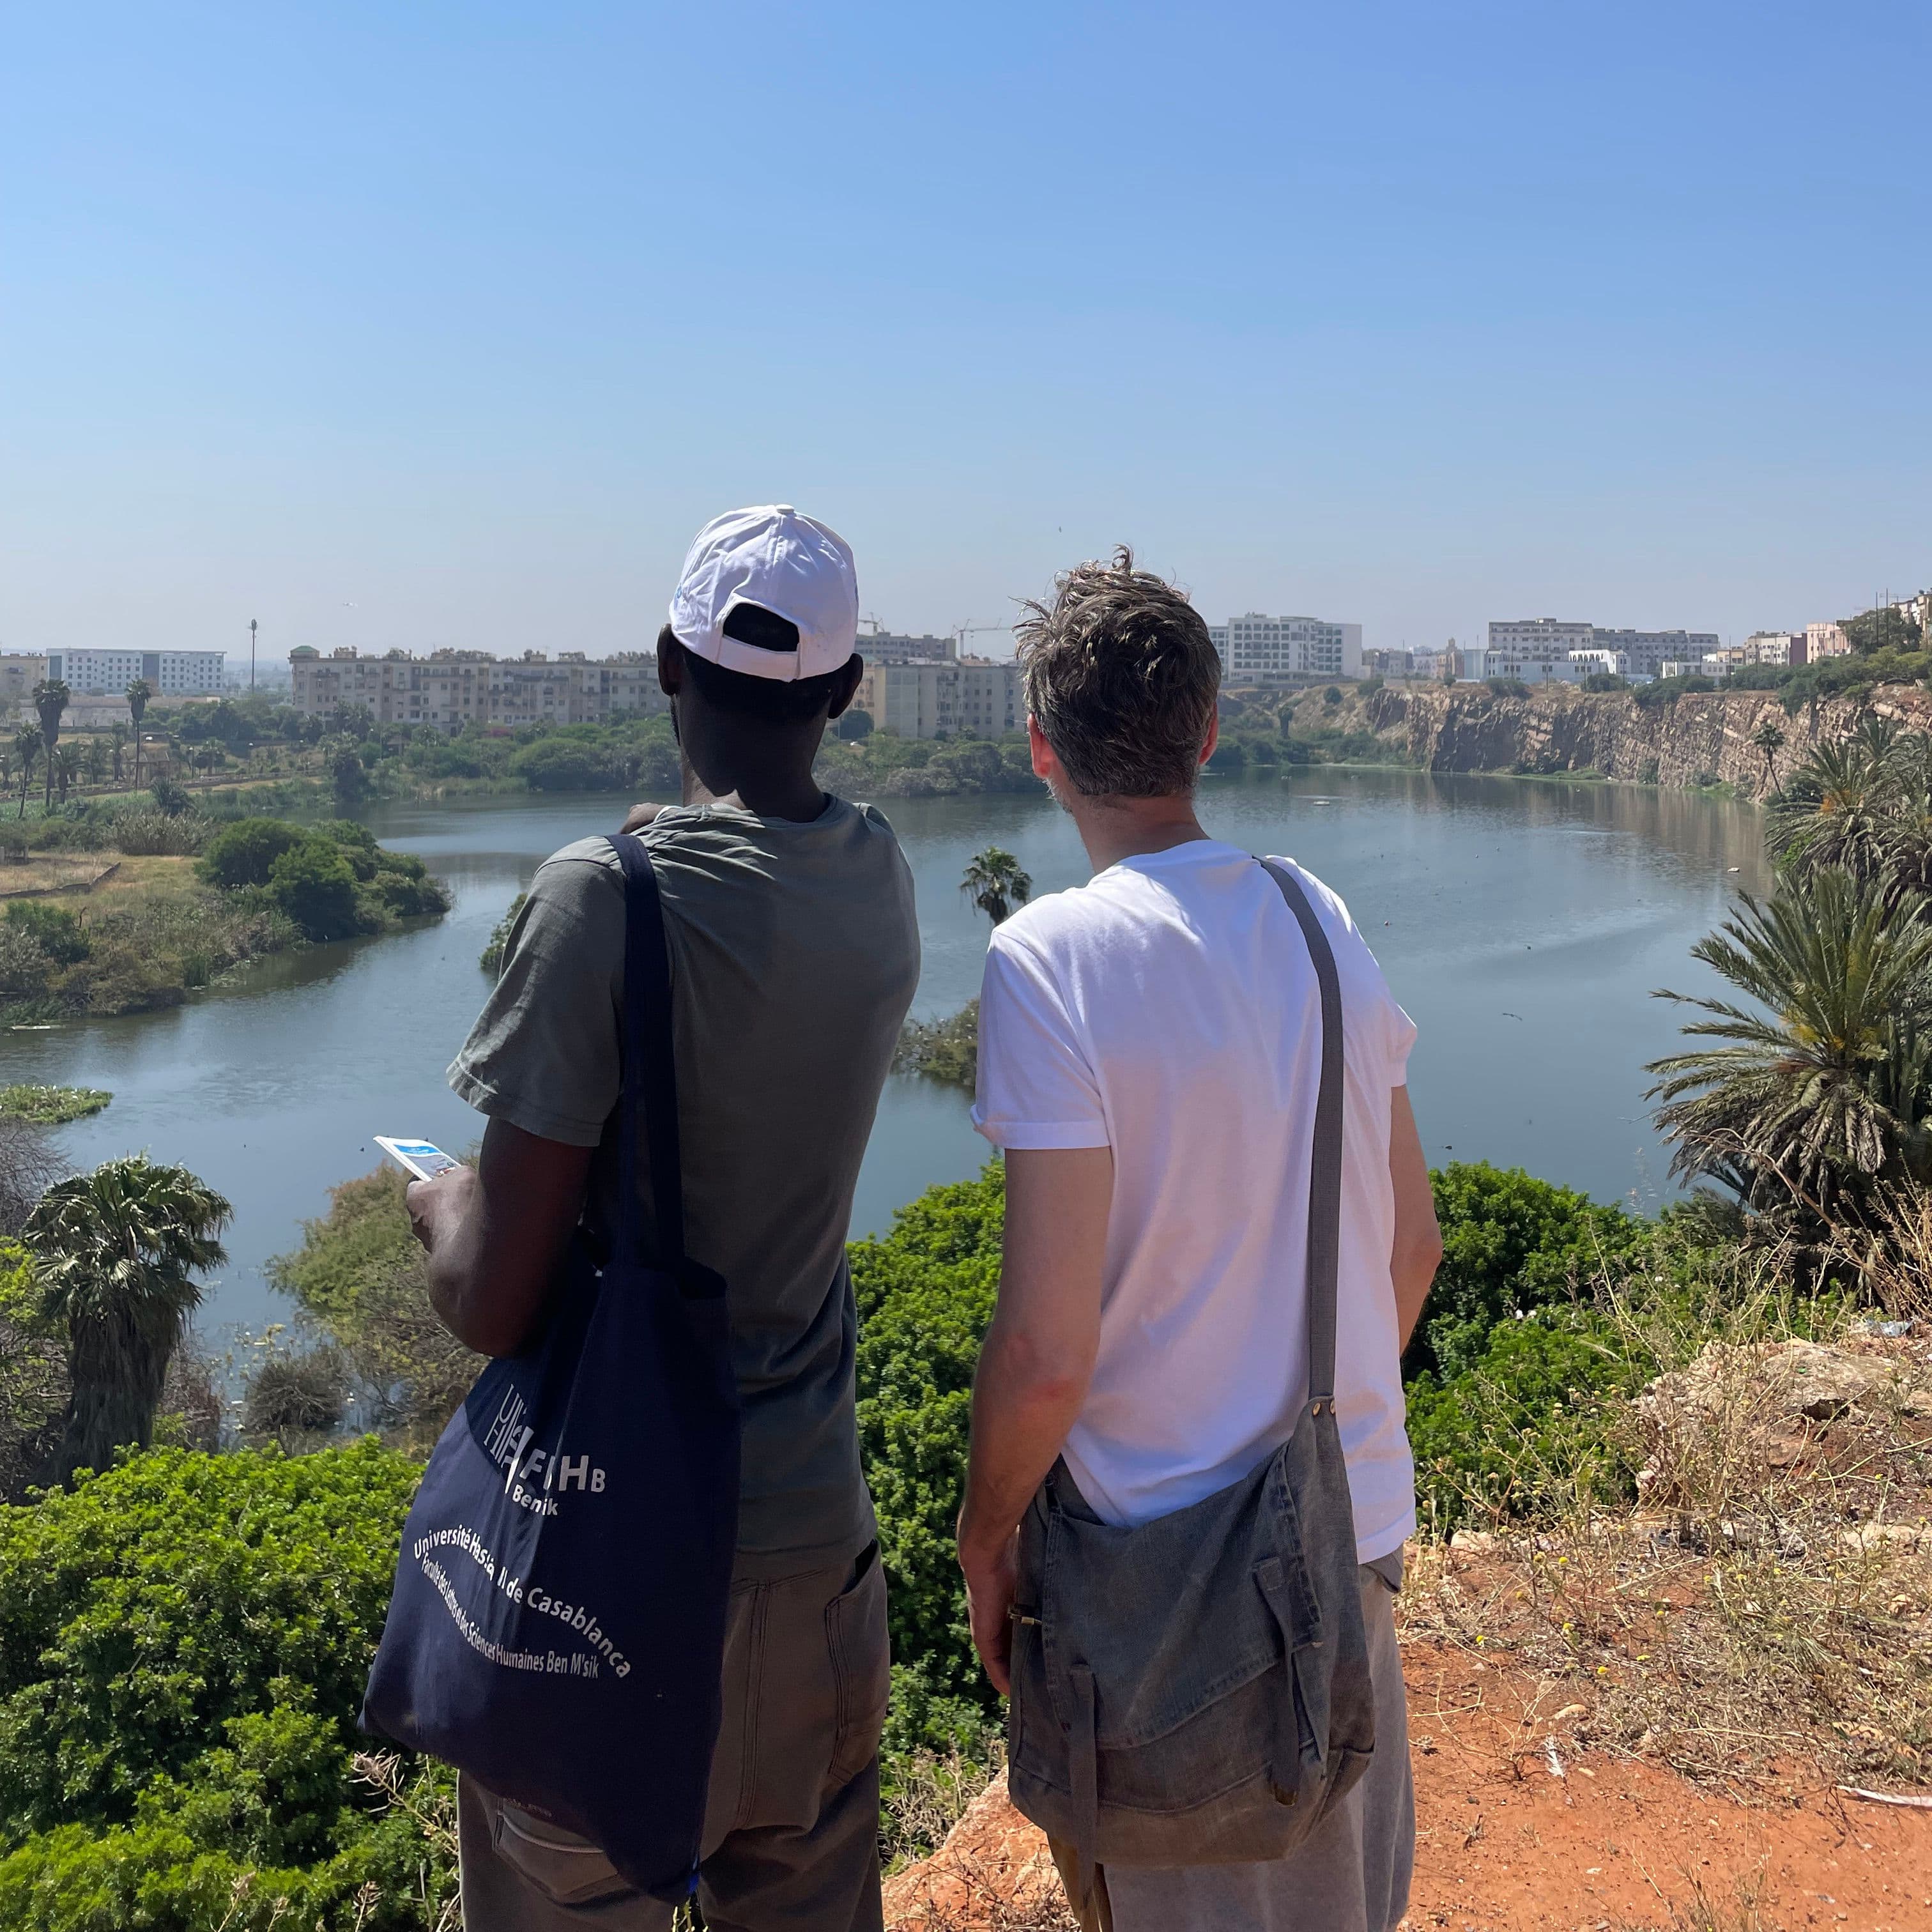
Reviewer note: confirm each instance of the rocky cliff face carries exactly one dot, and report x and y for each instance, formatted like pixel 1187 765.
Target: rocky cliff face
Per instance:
pixel 1701 737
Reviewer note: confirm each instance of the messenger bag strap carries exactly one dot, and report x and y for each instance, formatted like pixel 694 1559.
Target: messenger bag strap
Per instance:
pixel 650 1066
pixel 1324 1180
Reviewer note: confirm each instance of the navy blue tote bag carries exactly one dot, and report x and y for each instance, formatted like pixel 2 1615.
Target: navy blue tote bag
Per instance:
pixel 557 1627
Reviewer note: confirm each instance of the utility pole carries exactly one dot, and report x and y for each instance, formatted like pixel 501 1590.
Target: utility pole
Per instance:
pixel 251 655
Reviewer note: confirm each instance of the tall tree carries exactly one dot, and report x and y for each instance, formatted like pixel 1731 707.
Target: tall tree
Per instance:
pixel 26 748
pixel 51 697
pixel 117 739
pixel 66 768
pixel 1769 739
pixel 994 882
pixel 119 1250
pixel 138 695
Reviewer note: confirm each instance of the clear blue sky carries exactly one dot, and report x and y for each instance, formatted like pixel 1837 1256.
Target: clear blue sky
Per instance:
pixel 429 324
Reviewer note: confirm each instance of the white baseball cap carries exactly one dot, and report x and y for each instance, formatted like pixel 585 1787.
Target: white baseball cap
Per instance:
pixel 780 565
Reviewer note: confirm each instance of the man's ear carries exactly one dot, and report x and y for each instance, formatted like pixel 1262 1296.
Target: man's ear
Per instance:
pixel 1213 736
pixel 671 662
pixel 1045 764
pixel 845 685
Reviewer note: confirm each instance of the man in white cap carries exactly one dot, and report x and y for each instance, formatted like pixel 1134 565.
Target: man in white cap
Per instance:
pixel 794 954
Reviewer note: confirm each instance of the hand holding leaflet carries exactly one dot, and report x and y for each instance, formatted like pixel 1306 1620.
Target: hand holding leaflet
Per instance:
pixel 422 1159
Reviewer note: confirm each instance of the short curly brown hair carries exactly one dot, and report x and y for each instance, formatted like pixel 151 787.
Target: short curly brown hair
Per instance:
pixel 1122 678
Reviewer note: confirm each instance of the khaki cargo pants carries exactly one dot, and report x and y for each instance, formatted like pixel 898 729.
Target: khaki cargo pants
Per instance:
pixel 792 1821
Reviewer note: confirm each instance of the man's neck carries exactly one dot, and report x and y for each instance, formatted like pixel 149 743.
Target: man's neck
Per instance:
pixel 751 783
pixel 1113 828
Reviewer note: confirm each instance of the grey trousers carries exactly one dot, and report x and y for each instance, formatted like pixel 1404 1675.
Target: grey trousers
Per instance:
pixel 791 1824
pixel 1352 1875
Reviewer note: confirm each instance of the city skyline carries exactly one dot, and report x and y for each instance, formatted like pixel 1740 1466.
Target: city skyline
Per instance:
pixel 410 331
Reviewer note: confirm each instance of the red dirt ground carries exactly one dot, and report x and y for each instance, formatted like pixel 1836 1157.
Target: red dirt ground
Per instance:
pixel 1611 1845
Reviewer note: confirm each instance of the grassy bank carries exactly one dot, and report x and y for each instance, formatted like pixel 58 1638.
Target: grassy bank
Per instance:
pixel 145 929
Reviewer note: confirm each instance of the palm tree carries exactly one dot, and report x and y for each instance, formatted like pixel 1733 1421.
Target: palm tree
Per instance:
pixel 1832 810
pixel 50 699
pixel 1769 739
pixel 66 768
pixel 138 694
pixel 117 739
pixel 119 1250
pixel 97 760
pixel 26 748
pixel 1826 1083
pixel 994 882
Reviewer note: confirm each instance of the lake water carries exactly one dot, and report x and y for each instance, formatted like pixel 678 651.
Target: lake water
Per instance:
pixel 1522 923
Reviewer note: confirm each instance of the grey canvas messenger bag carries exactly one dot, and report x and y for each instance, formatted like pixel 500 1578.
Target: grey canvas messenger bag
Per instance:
pixel 1195 1691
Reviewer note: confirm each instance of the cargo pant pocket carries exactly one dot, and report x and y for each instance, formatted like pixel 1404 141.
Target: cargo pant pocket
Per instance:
pixel 565 1869
pixel 862 1668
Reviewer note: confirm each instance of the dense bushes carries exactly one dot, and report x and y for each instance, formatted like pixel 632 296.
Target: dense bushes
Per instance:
pixel 183 1644
pixel 1511 1243
pixel 334 880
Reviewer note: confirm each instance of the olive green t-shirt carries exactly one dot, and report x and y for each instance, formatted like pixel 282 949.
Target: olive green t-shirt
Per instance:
pixel 794 953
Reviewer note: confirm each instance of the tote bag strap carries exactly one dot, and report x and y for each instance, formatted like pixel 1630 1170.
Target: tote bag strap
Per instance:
pixel 1324 1182
pixel 650 1096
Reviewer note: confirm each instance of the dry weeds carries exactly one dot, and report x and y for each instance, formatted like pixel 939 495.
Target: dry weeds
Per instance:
pixel 1768 1607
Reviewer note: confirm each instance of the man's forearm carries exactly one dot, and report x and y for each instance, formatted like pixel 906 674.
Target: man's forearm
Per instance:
pixel 1022 1411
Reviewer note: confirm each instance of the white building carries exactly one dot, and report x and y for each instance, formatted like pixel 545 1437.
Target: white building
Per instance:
pixel 976 697
pixel 1774 647
pixel 1825 640
pixel 449 689
pixel 1259 649
pixel 1598 663
pixel 167 673
pixel 1647 650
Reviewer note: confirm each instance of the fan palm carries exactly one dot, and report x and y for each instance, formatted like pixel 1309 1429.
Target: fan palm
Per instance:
pixel 994 882
pixel 119 1250
pixel 1830 1084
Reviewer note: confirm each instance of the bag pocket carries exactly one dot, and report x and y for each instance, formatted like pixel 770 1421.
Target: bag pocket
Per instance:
pixel 861 1667
pixel 565 1869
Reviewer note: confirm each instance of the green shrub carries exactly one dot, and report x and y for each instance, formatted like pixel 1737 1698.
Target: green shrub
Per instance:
pixel 1524 1426
pixel 925 1295
pixel 312 883
pixel 56 931
pixel 1510 1243
pixel 244 853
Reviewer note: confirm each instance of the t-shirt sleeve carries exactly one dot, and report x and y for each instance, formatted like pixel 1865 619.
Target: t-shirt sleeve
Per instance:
pixel 1035 1086
pixel 545 1052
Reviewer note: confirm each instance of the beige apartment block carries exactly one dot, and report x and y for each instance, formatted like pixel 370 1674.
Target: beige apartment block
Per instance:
pixel 1825 640
pixel 449 689
pixel 19 672
pixel 976 697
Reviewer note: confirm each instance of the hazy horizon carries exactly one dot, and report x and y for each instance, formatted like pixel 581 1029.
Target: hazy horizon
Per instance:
pixel 448 328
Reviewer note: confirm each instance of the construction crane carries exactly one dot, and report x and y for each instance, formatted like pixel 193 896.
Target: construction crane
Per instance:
pixel 961 632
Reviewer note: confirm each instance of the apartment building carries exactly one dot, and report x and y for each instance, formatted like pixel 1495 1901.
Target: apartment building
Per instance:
pixel 1259 649
pixel 167 674
pixel 978 697
pixel 1825 640
pixel 449 688
pixel 1647 651
pixel 1388 663
pixel 899 647
pixel 19 672
pixel 1534 649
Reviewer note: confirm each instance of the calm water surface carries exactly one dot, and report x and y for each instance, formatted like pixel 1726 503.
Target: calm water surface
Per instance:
pixel 1522 923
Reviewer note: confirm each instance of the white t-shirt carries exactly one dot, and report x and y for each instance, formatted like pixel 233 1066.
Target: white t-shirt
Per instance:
pixel 1168 1009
